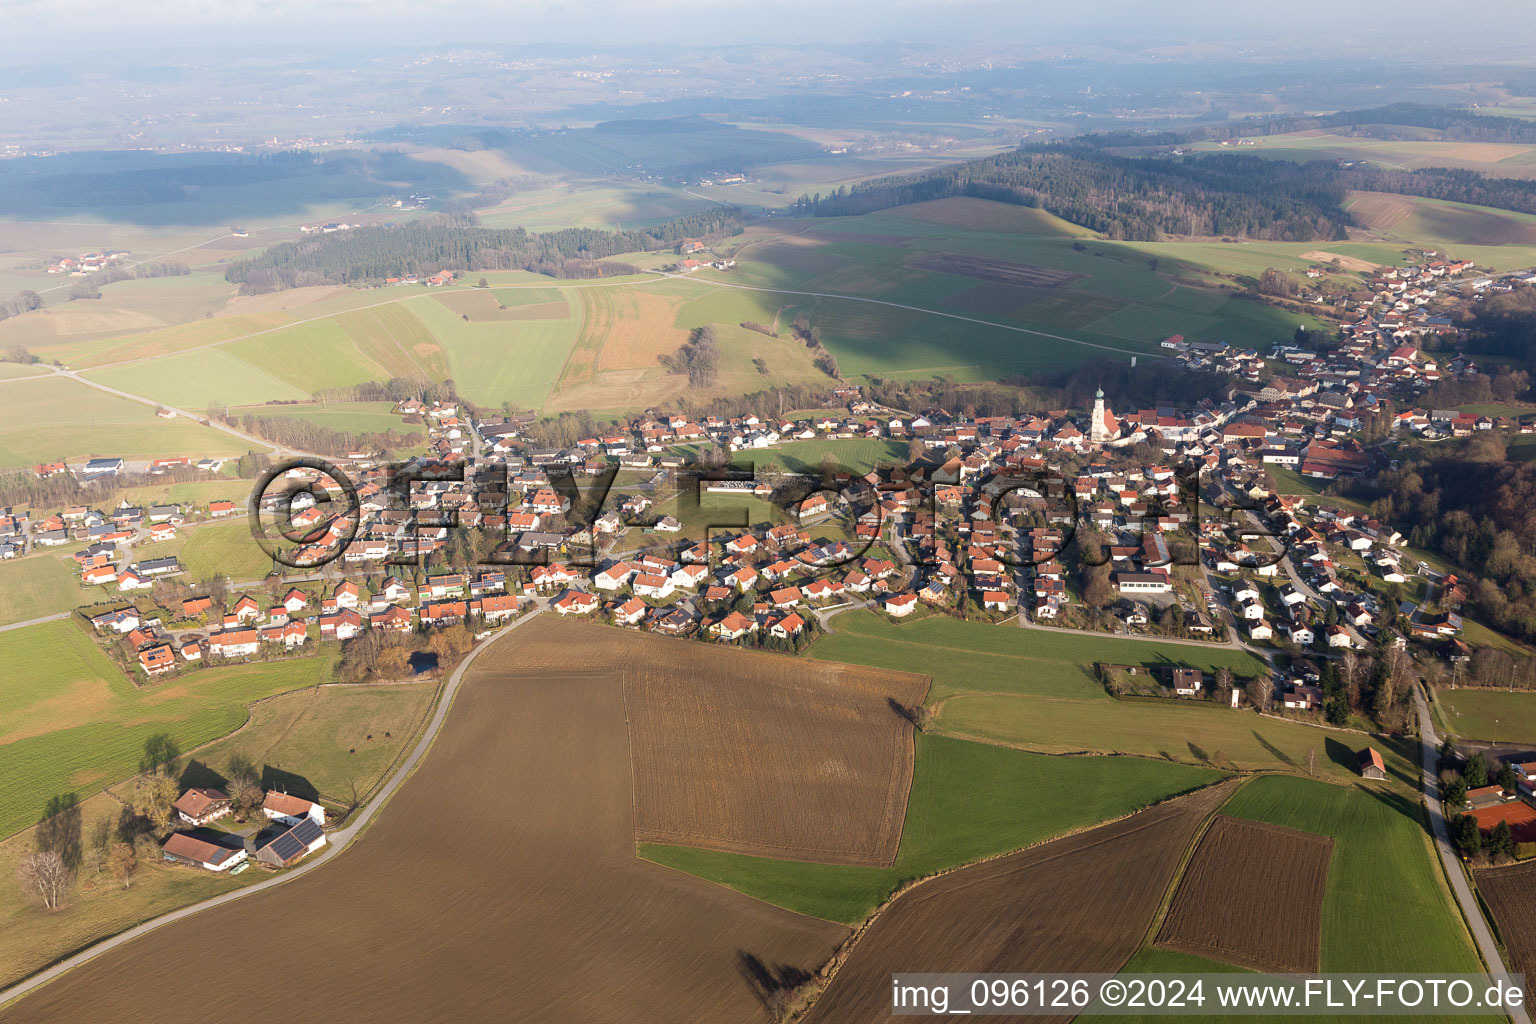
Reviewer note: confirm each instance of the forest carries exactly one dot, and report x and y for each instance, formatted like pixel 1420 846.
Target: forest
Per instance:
pixel 372 254
pixel 1472 505
pixel 1131 198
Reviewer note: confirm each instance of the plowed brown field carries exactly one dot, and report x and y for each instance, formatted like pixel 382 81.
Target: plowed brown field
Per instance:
pixel 1510 893
pixel 1078 904
pixel 1253 896
pixel 500 883
pixel 806 764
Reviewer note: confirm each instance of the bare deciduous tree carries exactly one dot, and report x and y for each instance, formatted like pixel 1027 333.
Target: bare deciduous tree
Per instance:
pixel 123 863
pixel 44 875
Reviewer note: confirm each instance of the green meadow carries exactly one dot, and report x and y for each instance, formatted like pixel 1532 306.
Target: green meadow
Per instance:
pixel 70 722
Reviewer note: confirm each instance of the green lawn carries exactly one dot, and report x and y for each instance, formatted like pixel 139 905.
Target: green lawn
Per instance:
pixel 38 585
pixel 1493 715
pixel 858 454
pixel 968 800
pixel 218 548
pixel 1035 690
pixel 968 657
pixel 71 723
pixel 341 739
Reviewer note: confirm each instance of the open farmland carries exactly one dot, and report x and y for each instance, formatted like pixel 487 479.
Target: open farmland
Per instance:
pixel 1510 893
pixel 1078 904
pixel 1000 271
pixel 1385 906
pixel 1269 919
pixel 1499 159
pixel 53 417
pixel 734 750
pixel 969 801
pixel 1035 690
pixel 478 305
pixel 502 361
pixel 539 761
pixel 70 722
pixel 811 765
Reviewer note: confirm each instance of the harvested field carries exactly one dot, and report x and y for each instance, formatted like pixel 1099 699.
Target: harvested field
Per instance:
pixel 1347 262
pixel 1380 211
pixel 1520 815
pixel 1002 271
pixel 744 756
pixel 1510 893
pixel 1270 920
pixel 1082 903
pixel 500 872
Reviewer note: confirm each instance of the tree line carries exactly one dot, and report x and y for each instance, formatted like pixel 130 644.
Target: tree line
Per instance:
pixel 370 255
pixel 306 435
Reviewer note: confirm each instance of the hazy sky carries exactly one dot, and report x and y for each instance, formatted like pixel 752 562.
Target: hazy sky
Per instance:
pixel 31 26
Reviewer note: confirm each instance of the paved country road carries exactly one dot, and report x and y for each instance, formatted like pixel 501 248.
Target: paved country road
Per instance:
pixel 36 622
pixel 336 842
pixel 1429 744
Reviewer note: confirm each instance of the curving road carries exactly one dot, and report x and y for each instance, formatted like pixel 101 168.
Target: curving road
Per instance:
pixel 1429 742
pixel 336 842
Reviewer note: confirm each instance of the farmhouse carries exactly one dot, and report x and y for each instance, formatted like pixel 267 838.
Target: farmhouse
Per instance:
pixel 200 806
pixel 291 809
pixel 182 848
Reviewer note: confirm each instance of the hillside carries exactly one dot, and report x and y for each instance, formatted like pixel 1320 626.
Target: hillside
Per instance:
pixel 1135 199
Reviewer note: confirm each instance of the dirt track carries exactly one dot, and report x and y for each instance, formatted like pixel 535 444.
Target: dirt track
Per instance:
pixel 499 884
pixel 1078 904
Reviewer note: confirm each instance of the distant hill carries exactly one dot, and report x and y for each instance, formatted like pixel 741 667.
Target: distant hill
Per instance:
pixel 1134 198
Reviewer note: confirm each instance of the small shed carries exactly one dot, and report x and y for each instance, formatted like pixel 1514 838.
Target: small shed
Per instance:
pixel 1371 764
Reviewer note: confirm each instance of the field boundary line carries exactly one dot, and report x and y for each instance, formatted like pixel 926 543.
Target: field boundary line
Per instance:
pixel 1160 915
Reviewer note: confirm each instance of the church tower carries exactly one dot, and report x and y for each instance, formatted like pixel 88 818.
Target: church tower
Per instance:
pixel 1098 432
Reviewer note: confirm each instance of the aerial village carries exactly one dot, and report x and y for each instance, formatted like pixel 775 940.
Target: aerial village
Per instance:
pixel 1157 521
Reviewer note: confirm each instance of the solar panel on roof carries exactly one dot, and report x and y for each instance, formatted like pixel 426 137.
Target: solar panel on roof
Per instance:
pixel 286 846
pixel 306 831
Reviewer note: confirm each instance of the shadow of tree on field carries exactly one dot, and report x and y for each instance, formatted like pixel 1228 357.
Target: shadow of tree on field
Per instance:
pixel 1198 753
pixel 1342 754
pixel 1274 751
pixel 198 775
pixel 288 782
pixel 774 987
